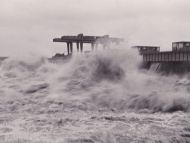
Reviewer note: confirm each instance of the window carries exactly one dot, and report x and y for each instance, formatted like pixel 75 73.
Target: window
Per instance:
pixel 174 45
pixel 187 44
pixel 180 45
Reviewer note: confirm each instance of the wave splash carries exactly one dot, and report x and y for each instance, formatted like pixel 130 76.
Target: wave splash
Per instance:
pixel 114 81
pixel 111 80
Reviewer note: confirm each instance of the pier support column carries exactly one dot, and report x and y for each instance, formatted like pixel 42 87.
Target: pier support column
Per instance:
pixel 77 47
pixel 96 47
pixel 71 47
pixel 108 45
pixel 68 48
pixel 92 46
pixel 104 46
pixel 81 47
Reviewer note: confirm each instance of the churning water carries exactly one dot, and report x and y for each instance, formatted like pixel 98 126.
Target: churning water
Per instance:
pixel 94 98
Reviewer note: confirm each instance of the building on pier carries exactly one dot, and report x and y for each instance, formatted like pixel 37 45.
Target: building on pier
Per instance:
pixel 181 46
pixel 146 49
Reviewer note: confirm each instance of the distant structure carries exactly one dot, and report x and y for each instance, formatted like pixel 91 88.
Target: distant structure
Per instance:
pixel 146 49
pixel 93 40
pixel 3 58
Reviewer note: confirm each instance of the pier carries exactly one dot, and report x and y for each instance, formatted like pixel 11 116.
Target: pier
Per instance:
pixel 80 39
pixel 175 61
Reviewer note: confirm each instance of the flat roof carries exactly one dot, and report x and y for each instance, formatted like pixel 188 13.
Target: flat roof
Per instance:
pixel 182 42
pixel 146 46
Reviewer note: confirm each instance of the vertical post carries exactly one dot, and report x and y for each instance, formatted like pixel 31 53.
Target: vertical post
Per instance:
pixel 92 46
pixel 187 56
pixel 77 46
pixel 68 48
pixel 71 46
pixel 81 42
pixel 81 47
pixel 108 45
pixel 96 46
pixel 104 46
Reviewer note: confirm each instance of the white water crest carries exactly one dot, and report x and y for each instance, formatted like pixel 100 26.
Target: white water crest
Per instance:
pixel 98 97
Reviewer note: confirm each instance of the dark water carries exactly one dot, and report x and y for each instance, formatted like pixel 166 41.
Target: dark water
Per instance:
pixel 95 98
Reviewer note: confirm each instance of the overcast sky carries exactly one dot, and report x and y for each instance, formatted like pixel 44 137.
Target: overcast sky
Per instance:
pixel 28 26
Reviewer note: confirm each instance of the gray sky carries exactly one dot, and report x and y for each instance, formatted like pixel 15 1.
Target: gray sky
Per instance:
pixel 28 26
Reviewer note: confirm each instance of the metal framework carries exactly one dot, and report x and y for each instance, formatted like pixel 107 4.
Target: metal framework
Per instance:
pixel 80 39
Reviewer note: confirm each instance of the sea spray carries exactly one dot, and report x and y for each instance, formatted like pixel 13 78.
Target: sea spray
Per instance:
pixel 113 80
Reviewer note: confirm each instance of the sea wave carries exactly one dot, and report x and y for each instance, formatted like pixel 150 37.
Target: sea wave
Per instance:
pixel 96 97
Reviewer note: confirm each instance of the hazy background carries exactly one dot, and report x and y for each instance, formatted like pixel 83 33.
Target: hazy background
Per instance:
pixel 28 27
